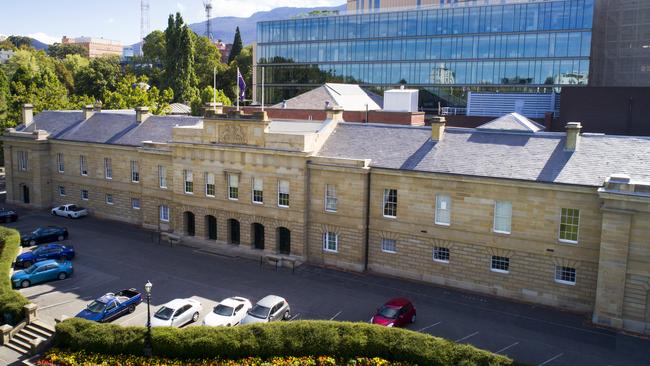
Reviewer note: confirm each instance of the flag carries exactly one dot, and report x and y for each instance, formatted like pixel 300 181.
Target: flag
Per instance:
pixel 242 85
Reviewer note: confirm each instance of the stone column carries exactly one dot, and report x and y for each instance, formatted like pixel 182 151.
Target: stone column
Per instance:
pixel 30 312
pixel 612 267
pixel 5 330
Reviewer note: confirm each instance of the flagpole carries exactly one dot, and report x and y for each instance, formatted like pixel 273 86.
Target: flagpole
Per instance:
pixel 262 89
pixel 238 92
pixel 214 87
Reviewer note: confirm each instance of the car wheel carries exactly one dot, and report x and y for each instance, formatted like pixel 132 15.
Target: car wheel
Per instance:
pixel 60 238
pixel 131 308
pixel 195 317
pixel 53 213
pixel 14 219
pixel 286 315
pixel 25 284
pixel 27 264
pixel 69 216
pixel 32 242
pixel 413 319
pixel 62 276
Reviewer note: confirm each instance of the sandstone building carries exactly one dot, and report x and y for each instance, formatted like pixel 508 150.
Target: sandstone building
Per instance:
pixel 560 219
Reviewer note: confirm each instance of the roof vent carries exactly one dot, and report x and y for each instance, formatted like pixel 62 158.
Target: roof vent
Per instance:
pixel 572 136
pixel 619 178
pixel 28 114
pixel 88 111
pixel 141 114
pixel 437 128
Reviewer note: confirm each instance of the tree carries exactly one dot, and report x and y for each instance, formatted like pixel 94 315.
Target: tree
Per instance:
pixel 42 89
pixel 60 51
pixel 4 99
pixel 102 74
pixel 237 46
pixel 153 47
pixel 179 60
pixel 206 58
pixel 134 92
pixel 207 96
pixel 20 41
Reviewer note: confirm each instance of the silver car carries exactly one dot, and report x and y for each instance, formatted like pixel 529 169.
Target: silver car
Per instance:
pixel 177 313
pixel 271 308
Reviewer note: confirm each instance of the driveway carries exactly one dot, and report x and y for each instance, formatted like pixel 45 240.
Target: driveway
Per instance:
pixel 112 256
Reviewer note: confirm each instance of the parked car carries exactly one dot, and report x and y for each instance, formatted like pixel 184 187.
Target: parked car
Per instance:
pixel 395 313
pixel 70 210
pixel 44 252
pixel 46 234
pixel 229 312
pixel 8 215
pixel 270 308
pixel 111 306
pixel 42 272
pixel 176 313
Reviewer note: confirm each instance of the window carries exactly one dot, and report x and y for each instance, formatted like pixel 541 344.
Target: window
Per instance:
pixel 60 163
pixel 330 242
pixel 109 199
pixel 443 209
pixel 83 165
pixel 500 264
pixel 388 245
pixel 162 176
pixel 390 202
pixel 84 194
pixel 164 213
pixel 22 160
pixel 108 168
pixel 330 198
pixel 502 217
pixel 283 193
pixel 233 186
pixel 209 184
pixel 135 203
pixel 258 190
pixel 135 172
pixel 188 181
pixel 441 254
pixel 565 275
pixel 61 191
pixel 569 224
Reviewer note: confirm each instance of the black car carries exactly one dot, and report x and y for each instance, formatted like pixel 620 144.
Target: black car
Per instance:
pixel 46 234
pixel 8 215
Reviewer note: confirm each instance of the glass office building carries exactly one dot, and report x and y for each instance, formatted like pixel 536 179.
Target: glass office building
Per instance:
pixel 443 50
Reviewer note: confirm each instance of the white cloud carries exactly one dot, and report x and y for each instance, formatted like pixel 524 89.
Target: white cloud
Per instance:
pixel 110 20
pixel 45 38
pixel 245 8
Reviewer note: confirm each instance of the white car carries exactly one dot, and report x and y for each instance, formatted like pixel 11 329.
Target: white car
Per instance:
pixel 70 210
pixel 176 313
pixel 228 312
pixel 270 308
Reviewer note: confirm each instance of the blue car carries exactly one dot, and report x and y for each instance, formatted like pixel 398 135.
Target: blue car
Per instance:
pixel 45 252
pixel 42 272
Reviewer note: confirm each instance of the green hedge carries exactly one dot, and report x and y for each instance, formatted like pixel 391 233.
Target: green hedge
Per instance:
pixel 298 338
pixel 11 302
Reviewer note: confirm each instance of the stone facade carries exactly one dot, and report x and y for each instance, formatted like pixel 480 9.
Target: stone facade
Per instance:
pixel 335 216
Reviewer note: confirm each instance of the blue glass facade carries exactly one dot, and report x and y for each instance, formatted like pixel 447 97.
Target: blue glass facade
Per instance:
pixel 444 51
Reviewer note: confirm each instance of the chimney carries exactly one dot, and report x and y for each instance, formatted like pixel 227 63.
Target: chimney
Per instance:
pixel 334 113
pixel 572 136
pixel 88 110
pixel 141 114
pixel 28 114
pixel 437 128
pixel 98 106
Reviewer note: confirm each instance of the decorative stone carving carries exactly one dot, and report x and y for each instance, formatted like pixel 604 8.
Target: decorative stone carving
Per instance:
pixel 232 134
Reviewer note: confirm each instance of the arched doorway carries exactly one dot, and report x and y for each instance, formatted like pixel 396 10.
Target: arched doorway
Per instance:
pixel 25 193
pixel 258 236
pixel 284 240
pixel 233 231
pixel 190 225
pixel 211 227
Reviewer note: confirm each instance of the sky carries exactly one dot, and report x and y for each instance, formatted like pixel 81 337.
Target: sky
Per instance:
pixel 49 20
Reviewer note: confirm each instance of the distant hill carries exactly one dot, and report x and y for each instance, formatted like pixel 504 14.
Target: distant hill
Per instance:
pixel 223 28
pixel 39 45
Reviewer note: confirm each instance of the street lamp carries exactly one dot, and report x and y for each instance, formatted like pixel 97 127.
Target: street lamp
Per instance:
pixel 148 347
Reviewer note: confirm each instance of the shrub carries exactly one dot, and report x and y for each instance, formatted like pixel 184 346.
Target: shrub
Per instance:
pixel 341 340
pixel 11 302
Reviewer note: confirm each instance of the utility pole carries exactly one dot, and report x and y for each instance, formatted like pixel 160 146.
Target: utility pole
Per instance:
pixel 207 4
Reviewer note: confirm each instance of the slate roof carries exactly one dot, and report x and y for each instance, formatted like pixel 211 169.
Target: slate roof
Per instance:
pixel 350 97
pixel 536 157
pixel 109 127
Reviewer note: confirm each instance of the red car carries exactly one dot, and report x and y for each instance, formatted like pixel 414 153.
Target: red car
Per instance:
pixel 395 313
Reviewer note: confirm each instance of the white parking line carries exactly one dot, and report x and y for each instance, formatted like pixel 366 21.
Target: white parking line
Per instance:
pixel 467 337
pixel 295 316
pixel 57 304
pixel 506 348
pixel 428 326
pixel 335 315
pixel 551 359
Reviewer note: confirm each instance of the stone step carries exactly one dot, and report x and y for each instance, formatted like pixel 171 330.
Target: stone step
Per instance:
pixel 31 334
pixel 39 332
pixel 23 337
pixel 19 346
pixel 41 324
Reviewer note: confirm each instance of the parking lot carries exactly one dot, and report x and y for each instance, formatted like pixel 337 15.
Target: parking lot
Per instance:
pixel 112 256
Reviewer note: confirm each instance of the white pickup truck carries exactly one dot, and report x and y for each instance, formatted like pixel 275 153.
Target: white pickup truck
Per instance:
pixel 70 210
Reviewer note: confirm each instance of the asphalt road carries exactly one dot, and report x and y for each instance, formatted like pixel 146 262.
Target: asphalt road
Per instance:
pixel 112 256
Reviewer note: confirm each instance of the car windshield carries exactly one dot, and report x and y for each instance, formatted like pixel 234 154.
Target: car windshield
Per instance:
pixel 223 310
pixel 38 231
pixel 96 306
pixel 259 311
pixel 164 313
pixel 38 250
pixel 388 312
pixel 31 269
